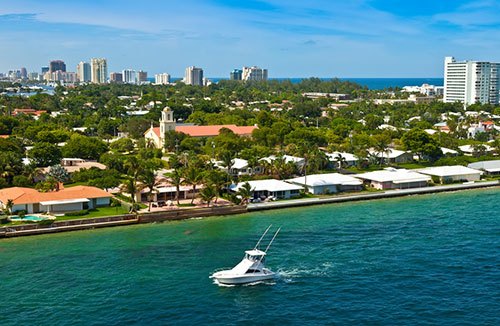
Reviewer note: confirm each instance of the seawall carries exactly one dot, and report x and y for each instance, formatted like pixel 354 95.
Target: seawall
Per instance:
pixel 173 215
pixel 370 196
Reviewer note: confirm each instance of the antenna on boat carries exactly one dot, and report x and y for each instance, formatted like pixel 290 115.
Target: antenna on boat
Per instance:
pixel 262 237
pixel 269 245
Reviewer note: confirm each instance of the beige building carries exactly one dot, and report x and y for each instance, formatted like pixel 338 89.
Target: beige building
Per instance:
pixel 99 70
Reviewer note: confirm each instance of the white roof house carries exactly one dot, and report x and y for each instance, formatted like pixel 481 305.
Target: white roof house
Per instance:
pixel 270 187
pixel 469 149
pixel 239 167
pixel 449 151
pixel 328 183
pixel 350 159
pixel 392 155
pixel 391 178
pixel 299 161
pixel 490 167
pixel 453 173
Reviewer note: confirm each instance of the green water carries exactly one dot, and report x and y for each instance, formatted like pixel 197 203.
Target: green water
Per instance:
pixel 430 259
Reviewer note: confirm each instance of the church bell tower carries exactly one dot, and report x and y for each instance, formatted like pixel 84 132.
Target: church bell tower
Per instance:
pixel 167 122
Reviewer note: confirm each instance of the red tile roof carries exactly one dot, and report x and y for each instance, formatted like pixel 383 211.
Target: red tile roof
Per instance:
pixel 28 195
pixel 210 131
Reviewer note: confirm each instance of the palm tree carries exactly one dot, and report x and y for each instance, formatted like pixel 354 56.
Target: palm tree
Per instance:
pixel 9 205
pixel 175 178
pixel 341 161
pixel 227 161
pixel 130 187
pixel 245 192
pixel 192 176
pixel 208 193
pixel 217 179
pixel 149 180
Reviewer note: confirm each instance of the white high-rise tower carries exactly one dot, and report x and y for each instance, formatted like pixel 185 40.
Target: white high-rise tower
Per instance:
pixel 471 82
pixel 99 70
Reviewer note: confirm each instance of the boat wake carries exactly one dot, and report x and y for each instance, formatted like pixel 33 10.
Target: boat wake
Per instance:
pixel 293 275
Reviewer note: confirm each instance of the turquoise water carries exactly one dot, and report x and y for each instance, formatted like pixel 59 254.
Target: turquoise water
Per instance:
pixel 430 259
pixel 27 218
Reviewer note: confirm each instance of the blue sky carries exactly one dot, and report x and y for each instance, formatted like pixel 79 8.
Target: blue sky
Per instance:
pixel 292 38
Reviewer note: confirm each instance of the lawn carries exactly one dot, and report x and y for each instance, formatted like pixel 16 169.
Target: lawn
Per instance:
pixel 98 212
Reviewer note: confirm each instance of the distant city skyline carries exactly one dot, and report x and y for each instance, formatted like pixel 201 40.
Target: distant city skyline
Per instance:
pixel 361 38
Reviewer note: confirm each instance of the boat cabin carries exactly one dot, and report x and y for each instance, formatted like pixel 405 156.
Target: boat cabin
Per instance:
pixel 255 255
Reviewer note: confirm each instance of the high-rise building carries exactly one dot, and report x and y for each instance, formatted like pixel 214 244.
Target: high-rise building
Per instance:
pixel 162 79
pixel 142 77
pixel 116 77
pixel 129 76
pixel 83 72
pixel 44 70
pixel 57 65
pixel 193 76
pixel 471 82
pixel 99 70
pixel 236 74
pixel 24 73
pixel 254 73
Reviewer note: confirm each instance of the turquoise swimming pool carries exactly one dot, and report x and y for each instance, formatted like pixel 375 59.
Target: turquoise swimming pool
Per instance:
pixel 33 218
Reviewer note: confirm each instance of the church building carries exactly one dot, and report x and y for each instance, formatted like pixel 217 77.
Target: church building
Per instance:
pixel 156 135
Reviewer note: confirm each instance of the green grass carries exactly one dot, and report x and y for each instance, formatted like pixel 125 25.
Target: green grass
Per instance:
pixel 98 212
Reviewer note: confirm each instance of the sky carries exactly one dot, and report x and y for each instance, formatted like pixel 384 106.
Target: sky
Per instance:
pixel 291 38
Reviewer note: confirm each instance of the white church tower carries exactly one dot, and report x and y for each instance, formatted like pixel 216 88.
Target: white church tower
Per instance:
pixel 167 122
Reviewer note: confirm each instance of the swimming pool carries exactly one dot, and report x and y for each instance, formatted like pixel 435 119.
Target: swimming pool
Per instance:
pixel 28 218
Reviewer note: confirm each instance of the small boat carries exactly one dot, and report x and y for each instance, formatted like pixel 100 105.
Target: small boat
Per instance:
pixel 251 269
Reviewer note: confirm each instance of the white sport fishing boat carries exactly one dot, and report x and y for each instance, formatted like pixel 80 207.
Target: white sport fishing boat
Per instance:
pixel 251 269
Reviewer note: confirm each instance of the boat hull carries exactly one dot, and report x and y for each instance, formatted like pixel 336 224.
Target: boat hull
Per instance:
pixel 242 279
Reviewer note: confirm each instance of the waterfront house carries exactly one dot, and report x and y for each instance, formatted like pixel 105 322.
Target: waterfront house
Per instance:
pixel 263 189
pixel 488 167
pixel 298 161
pixel 391 156
pixel 342 159
pixel 449 174
pixel 240 167
pixel 322 184
pixel 391 178
pixel 454 173
pixel 68 199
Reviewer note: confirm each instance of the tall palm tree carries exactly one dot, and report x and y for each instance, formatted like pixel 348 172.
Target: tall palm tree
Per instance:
pixel 341 161
pixel 192 176
pixel 130 187
pixel 176 180
pixel 149 180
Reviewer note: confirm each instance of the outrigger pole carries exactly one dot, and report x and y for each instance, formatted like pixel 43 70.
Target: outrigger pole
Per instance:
pixel 269 245
pixel 262 237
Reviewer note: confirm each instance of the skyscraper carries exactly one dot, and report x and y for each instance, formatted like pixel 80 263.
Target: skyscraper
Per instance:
pixel 57 65
pixel 116 77
pixel 99 70
pixel 142 77
pixel 471 82
pixel 129 76
pixel 193 76
pixel 83 72
pixel 254 73
pixel 162 79
pixel 45 70
pixel 24 73
pixel 236 74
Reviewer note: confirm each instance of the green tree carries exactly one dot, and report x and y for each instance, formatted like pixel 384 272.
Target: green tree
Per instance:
pixel 84 147
pixel 45 154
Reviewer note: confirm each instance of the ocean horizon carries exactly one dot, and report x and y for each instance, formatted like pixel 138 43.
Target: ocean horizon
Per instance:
pixel 370 82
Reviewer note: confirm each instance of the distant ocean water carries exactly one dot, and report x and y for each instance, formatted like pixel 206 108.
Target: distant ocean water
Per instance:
pixel 371 83
pixel 424 260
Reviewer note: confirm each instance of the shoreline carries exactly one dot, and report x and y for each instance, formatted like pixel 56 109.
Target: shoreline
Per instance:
pixel 112 221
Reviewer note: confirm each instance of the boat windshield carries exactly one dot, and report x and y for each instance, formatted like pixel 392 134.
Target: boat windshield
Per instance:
pixel 255 258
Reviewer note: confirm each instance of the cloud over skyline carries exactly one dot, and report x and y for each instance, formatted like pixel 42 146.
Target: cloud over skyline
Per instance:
pixel 359 38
